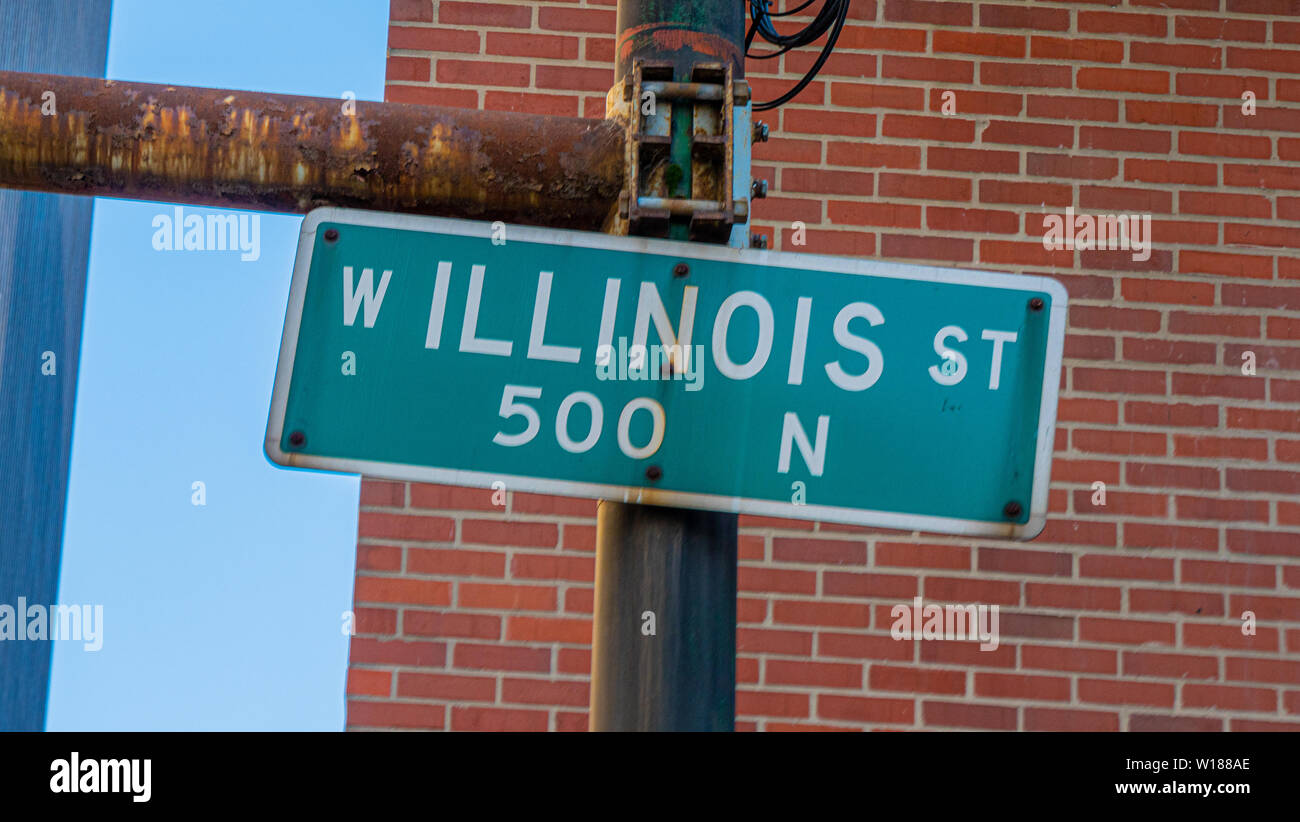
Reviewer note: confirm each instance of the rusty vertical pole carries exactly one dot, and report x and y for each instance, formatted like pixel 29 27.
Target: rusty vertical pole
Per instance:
pixel 670 567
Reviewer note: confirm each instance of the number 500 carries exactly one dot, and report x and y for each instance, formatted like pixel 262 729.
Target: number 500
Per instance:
pixel 511 407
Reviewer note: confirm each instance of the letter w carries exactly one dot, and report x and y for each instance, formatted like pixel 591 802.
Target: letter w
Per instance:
pixel 363 293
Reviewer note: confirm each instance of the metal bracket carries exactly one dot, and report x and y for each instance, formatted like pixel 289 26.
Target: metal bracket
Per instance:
pixel 646 205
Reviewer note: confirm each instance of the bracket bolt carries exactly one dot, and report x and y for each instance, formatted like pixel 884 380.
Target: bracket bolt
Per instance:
pixel 761 131
pixel 758 241
pixel 758 189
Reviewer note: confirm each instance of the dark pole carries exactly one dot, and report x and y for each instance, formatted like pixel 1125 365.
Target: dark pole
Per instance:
pixel 672 570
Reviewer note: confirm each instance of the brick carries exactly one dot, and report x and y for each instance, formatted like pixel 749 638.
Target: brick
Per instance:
pixel 473 73
pixel 1072 108
pixel 1269 482
pixel 1119 692
pixel 1225 145
pixel 770 703
pixel 553 566
pixel 869 155
pixel 501 658
pixel 838 614
pixel 499 532
pixel 867 95
pixel 1149 723
pixel 1022 687
pixel 1227 325
pixel 820 551
pixel 473 718
pixel 452 498
pixel 405 527
pixel 1170 414
pixel 1273 60
pixel 1170 666
pixel 1076 49
pixel 1215 28
pixel 1128 140
pixel 1228 265
pixel 1135 81
pixel 548 629
pixel 1231 85
pixel 813 674
pixel 968 715
pixel 1127 631
pixel 977 102
pixel 865 709
pixel 928 69
pixel 1060 719
pixel 1126 567
pixel 926 248
pixel 917 680
pixel 973 219
pixel 446 686
pixel 1024 75
pixel 398 590
pixel 366 714
pixel 923 11
pixel 867 585
pixel 1073 658
pixel 1225 697
pixel 1167 171
pixel 1107 380
pixel 916 127
pixel 425 96
pixel 420 11
pixel 1206 447
pixel 1021 17
pixel 1016 132
pixel 964 590
pixel 1211 385
pixel 966 42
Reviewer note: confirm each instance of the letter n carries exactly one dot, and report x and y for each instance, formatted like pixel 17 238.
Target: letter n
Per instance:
pixel 792 431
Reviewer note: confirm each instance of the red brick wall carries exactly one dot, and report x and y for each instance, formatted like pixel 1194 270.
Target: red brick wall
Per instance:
pixel 1127 616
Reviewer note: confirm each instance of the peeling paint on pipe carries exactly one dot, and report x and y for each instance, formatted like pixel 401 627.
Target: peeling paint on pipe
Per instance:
pixel 268 152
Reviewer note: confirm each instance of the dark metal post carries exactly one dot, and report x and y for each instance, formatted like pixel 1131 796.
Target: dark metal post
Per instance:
pixel 664 639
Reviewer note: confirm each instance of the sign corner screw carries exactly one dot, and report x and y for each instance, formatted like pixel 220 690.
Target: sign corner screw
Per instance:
pixel 297 439
pixel 1036 304
pixel 1011 510
pixel 331 235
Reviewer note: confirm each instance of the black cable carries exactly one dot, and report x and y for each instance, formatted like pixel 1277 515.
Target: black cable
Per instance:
pixel 830 18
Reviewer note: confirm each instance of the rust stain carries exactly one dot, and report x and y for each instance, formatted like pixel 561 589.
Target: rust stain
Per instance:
pixel 281 153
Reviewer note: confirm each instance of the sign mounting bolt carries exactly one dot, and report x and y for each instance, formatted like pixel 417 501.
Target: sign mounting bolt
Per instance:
pixel 653 473
pixel 1011 510
pixel 297 439
pixel 331 235
pixel 1036 304
pixel 681 270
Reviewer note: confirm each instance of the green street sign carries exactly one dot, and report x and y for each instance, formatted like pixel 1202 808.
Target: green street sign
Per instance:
pixel 666 373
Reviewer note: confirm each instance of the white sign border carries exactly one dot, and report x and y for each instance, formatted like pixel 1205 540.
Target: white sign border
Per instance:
pixel 685 251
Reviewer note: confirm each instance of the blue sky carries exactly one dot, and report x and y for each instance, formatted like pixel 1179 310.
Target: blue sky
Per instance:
pixel 226 616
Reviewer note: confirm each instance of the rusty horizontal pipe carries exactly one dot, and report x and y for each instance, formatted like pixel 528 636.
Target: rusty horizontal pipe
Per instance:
pixel 269 152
